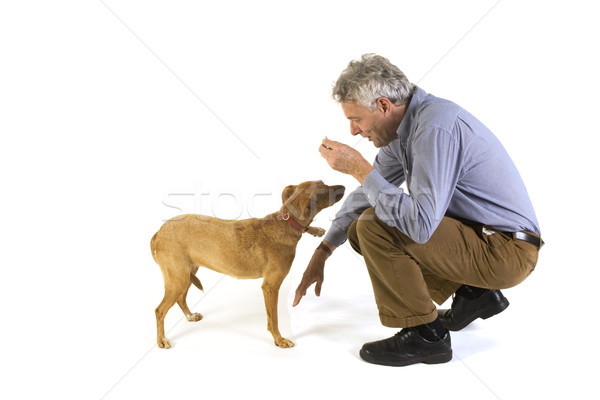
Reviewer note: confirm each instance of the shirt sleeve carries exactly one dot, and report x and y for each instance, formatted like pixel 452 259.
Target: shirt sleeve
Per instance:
pixel 431 183
pixel 391 169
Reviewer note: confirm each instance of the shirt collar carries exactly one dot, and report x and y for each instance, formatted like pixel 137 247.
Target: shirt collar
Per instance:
pixel 417 99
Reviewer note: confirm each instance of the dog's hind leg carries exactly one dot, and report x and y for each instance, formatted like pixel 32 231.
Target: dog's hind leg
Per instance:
pixel 270 287
pixel 183 304
pixel 161 311
pixel 177 282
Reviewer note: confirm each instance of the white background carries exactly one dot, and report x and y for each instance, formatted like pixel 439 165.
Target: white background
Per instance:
pixel 118 115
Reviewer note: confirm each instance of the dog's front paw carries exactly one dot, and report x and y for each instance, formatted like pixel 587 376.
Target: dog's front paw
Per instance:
pixel 284 343
pixel 318 232
pixel 164 343
pixel 194 317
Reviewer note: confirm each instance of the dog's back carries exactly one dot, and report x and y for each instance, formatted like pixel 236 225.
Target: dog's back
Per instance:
pixel 232 247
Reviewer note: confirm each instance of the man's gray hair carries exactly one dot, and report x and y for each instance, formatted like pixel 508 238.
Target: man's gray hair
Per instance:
pixel 372 77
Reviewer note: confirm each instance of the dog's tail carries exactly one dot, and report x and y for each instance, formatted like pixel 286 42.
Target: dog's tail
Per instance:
pixel 196 281
pixel 153 246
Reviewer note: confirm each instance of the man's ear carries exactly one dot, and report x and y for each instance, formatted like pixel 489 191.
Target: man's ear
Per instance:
pixel 287 192
pixel 384 105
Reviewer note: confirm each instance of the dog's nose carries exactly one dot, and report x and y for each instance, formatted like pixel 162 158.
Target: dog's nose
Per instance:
pixel 338 191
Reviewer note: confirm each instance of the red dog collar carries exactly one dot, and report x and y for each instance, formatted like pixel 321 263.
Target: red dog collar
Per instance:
pixel 286 217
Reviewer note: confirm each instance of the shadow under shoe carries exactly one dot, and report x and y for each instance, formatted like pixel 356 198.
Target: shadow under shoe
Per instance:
pixel 405 348
pixel 464 311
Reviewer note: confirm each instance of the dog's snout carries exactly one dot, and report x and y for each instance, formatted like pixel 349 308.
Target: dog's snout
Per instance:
pixel 338 192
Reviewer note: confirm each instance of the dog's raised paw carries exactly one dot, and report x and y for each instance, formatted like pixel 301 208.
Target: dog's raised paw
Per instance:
pixel 194 317
pixel 318 232
pixel 164 343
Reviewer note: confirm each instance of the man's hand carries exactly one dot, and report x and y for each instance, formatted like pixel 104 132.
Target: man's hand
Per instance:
pixel 314 272
pixel 345 159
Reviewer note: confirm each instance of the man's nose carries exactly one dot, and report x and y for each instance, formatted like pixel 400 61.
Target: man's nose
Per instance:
pixel 354 129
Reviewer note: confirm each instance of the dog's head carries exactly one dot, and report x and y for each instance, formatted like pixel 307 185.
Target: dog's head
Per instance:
pixel 305 200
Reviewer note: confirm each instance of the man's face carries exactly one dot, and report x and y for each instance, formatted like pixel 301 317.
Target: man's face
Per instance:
pixel 372 125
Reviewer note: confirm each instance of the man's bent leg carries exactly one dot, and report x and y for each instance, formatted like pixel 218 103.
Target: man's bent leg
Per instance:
pixel 406 275
pixel 399 285
pixel 425 339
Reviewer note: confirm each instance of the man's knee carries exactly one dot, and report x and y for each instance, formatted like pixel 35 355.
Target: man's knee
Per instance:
pixel 353 237
pixel 357 229
pixel 367 225
pixel 370 229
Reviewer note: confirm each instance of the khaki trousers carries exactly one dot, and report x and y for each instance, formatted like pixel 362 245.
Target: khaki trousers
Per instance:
pixel 407 276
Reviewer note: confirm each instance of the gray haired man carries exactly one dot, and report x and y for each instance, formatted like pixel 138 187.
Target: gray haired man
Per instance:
pixel 465 226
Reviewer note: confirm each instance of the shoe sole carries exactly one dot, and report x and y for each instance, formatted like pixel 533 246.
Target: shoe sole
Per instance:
pixel 430 359
pixel 486 313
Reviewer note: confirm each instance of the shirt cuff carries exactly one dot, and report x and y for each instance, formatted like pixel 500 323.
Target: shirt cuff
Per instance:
pixel 374 184
pixel 336 235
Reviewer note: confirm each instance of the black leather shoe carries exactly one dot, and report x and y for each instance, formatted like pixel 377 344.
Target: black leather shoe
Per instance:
pixel 405 348
pixel 464 311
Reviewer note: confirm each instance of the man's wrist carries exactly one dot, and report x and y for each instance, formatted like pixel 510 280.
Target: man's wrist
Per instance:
pixel 361 173
pixel 327 247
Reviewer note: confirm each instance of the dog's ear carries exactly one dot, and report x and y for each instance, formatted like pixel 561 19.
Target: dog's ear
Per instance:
pixel 287 192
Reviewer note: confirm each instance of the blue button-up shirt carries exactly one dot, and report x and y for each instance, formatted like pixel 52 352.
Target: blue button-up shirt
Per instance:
pixel 453 166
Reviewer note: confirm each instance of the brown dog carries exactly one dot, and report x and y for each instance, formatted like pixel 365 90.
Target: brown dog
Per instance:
pixel 246 249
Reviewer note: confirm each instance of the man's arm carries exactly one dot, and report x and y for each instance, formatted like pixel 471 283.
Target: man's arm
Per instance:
pixel 435 170
pixel 388 166
pixel 314 272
